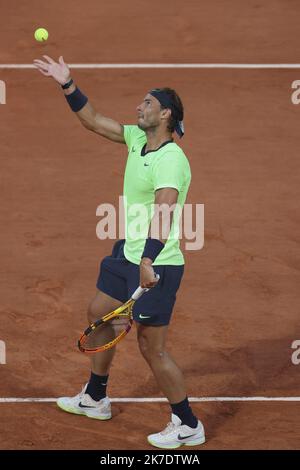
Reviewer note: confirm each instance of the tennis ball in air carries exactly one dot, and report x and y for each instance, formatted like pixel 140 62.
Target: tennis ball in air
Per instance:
pixel 41 34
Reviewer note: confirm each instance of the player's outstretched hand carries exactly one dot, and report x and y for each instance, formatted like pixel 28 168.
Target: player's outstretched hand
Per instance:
pixel 57 70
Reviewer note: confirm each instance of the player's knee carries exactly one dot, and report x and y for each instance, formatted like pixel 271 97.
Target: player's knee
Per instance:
pixel 149 352
pixel 92 312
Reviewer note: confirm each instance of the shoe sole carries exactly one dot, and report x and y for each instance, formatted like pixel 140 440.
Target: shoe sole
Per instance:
pixel 83 413
pixel 179 444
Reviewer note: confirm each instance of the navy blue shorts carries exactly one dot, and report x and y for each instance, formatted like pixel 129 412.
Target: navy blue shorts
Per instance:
pixel 119 278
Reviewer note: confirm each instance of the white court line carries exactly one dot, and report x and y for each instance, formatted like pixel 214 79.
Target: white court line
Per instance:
pixel 163 66
pixel 157 400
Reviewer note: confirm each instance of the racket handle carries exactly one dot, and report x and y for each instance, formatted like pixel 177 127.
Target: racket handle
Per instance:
pixel 141 290
pixel 138 293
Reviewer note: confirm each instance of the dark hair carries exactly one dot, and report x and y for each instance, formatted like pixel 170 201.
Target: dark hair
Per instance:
pixel 177 108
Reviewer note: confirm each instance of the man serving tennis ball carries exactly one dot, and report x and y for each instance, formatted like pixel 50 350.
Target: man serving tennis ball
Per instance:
pixel 157 172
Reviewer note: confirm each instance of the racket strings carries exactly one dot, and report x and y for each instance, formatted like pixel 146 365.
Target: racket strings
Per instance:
pixel 110 330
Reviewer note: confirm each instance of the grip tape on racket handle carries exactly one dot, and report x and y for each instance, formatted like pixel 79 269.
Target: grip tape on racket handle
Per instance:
pixel 141 290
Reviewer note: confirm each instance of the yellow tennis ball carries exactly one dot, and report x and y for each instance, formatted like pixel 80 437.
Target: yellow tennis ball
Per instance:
pixel 41 34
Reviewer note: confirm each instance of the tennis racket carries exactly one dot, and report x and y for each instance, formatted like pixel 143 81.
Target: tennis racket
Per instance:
pixel 106 332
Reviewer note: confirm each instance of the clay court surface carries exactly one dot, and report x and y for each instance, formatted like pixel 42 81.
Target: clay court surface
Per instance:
pixel 237 312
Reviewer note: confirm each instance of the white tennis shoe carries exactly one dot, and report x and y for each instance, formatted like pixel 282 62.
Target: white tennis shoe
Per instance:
pixel 177 434
pixel 83 404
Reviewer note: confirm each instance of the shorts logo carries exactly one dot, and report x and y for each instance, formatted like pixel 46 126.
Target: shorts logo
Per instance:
pixel 143 316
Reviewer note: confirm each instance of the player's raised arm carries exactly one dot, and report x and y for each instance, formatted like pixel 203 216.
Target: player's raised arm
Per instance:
pixel 89 118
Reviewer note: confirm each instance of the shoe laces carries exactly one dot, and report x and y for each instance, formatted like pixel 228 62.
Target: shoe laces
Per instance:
pixel 80 394
pixel 170 427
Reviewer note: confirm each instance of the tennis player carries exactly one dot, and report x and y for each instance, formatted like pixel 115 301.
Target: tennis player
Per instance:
pixel 157 172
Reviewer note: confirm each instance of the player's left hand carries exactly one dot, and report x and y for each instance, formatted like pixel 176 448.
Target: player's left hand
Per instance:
pixel 147 275
pixel 57 70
